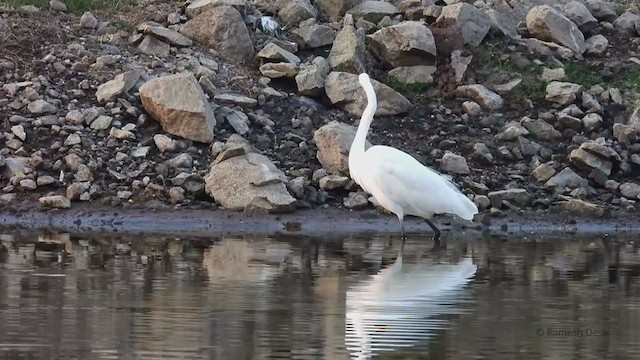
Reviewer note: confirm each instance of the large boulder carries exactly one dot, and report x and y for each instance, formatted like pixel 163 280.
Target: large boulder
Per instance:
pixel 595 155
pixel 314 36
pixel 373 11
pixel 198 7
pixel 335 8
pixel 348 50
pixel 472 23
pixel 296 11
pixel 577 12
pixel 178 103
pixel 222 29
pixel 547 23
pixel 241 179
pixel 333 141
pixel 603 10
pixel 406 44
pixel 344 90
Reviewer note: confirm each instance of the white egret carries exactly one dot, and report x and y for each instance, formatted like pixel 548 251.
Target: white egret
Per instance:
pixel 400 183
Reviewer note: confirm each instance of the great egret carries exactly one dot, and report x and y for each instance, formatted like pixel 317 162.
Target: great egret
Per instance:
pixel 400 183
pixel 402 305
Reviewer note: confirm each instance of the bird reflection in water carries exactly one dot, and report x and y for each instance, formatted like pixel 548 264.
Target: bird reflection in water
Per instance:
pixel 403 304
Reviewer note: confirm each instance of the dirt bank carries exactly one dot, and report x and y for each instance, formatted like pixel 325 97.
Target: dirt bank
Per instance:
pixel 208 222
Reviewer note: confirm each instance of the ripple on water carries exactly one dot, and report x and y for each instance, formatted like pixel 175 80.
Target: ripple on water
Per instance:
pixel 98 297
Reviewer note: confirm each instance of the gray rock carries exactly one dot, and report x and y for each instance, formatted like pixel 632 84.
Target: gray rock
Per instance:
pixel 543 172
pixel 249 182
pixel 72 139
pixel 75 190
pixel 594 155
pixel 45 180
pixel 88 20
pixel 546 23
pixel 103 122
pixel 406 44
pixel 296 186
pixel 356 200
pixel 295 11
pixel 178 103
pixel 454 163
pixel 28 184
pixel 239 121
pixel 40 107
pixel 517 196
pixel 344 89
pixel 236 99
pixel 373 11
pixel 198 7
pixel 279 70
pixel 55 201
pixel 121 134
pixel 630 190
pixel 419 74
pixel 151 45
pixel 183 160
pixel 502 24
pixel 221 28
pixel 627 22
pixel 57 5
pixel 176 195
pixel 582 207
pixel 314 36
pixel 348 50
pixel 567 178
pixel 556 74
pixel 634 120
pixel 512 131
pixel 330 182
pixel 172 37
pixel 164 143
pixel 597 44
pixel 122 83
pixel 311 78
pixel 335 8
pixel 577 12
pixel 542 130
pixel 333 141
pixel 273 52
pixel 563 93
pixel 592 121
pixel 483 96
pixel 602 10
pixel 474 24
pixel 18 130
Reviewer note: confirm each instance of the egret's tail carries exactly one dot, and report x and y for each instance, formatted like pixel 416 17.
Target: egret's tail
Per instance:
pixel 464 207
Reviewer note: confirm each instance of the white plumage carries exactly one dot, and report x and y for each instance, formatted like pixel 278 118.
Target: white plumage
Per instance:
pixel 402 306
pixel 400 183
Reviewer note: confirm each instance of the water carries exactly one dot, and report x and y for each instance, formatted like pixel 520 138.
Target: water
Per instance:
pixel 96 296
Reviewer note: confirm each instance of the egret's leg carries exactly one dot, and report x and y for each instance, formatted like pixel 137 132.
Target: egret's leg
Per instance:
pixel 436 233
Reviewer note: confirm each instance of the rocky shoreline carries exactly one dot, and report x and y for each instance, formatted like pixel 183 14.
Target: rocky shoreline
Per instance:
pixel 251 106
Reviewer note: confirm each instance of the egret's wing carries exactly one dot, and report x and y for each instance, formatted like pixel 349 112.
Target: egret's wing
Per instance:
pixel 420 191
pixel 393 155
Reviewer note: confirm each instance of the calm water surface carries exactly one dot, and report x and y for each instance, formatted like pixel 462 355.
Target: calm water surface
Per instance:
pixel 96 296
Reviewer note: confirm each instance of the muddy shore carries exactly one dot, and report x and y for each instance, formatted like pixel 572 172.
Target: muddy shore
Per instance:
pixel 311 222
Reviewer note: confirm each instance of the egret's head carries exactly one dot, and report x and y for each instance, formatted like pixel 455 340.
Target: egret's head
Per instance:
pixel 364 79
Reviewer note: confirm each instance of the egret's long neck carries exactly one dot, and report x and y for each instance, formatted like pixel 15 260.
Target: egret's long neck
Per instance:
pixel 360 139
